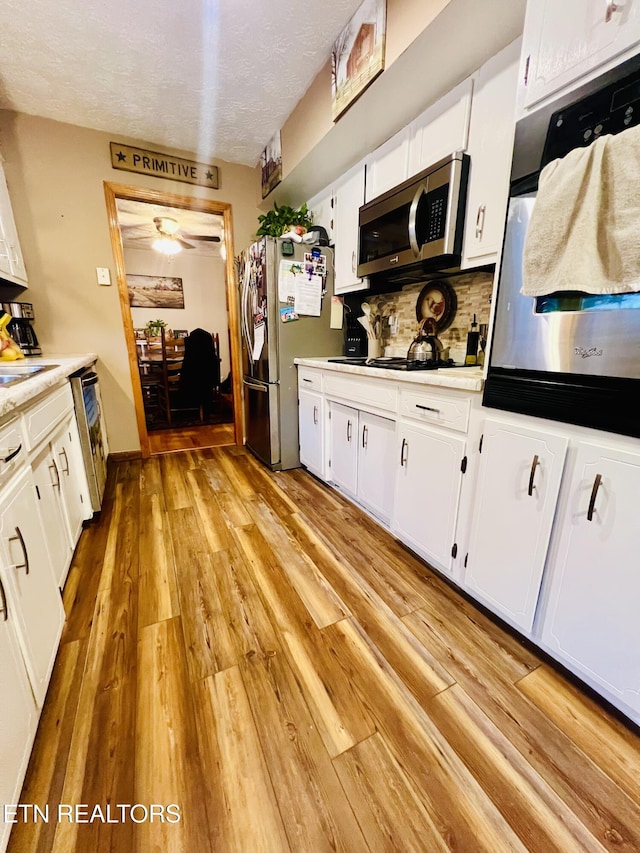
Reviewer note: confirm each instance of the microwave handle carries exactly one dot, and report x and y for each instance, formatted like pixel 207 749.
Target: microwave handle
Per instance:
pixel 413 212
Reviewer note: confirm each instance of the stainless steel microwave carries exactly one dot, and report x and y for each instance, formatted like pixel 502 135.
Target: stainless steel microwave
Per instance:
pixel 417 226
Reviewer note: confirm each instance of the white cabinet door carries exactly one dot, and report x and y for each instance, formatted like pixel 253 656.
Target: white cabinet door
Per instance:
pixel 11 262
pixel 321 209
pixel 591 621
pixel 441 129
pixel 311 431
pixel 48 482
pixel 73 483
pixel 32 592
pixel 566 41
pixel 348 199
pixel 18 715
pixel 516 494
pixel 429 477
pixel 343 433
pixel 376 468
pixel 490 148
pixel 388 165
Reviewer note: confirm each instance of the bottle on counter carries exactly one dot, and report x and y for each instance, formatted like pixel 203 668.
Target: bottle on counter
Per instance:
pixel 473 338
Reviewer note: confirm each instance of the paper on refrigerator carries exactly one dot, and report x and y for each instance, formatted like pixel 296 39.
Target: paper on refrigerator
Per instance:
pixel 299 287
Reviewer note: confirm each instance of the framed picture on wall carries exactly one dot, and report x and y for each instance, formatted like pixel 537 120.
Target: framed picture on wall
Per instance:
pixel 357 56
pixel 271 165
pixel 155 291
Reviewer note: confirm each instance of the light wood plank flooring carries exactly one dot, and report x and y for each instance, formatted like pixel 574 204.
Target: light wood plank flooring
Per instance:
pixel 252 648
pixel 190 438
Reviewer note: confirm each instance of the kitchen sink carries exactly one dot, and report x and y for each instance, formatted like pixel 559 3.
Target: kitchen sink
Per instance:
pixel 12 373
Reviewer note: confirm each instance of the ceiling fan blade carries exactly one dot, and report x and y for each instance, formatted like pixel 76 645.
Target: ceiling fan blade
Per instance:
pixel 183 242
pixel 211 238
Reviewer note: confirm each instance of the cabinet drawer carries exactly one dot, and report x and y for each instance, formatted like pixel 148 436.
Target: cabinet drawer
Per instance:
pixel 367 392
pixel 40 419
pixel 436 409
pixel 12 449
pixel 310 380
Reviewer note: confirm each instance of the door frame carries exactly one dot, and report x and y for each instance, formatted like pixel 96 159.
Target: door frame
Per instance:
pixel 114 191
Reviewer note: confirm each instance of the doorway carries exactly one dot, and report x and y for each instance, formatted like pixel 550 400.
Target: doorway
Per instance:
pixel 187 291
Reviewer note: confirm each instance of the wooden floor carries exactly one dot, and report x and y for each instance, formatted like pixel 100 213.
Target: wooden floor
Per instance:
pixel 250 647
pixel 190 438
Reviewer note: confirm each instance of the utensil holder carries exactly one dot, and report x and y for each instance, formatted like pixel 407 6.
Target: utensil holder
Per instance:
pixel 374 349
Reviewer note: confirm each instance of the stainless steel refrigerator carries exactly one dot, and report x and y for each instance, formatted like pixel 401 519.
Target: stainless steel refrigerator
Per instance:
pixel 269 345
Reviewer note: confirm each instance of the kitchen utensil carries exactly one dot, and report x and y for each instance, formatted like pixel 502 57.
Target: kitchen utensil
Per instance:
pixel 366 325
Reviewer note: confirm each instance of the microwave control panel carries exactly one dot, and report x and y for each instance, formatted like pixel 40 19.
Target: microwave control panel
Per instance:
pixel 432 219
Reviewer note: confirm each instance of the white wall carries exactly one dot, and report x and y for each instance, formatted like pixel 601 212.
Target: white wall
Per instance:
pixel 205 301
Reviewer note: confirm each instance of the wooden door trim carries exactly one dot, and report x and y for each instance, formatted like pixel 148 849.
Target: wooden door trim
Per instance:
pixel 114 191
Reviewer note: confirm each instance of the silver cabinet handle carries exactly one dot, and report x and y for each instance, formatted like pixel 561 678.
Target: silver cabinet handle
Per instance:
pixel 403 458
pixel 427 408
pixel 12 452
pixel 482 209
pixel 348 430
pixel 592 499
pixel 63 452
pixel 611 8
pixel 19 538
pixel 53 466
pixel 307 380
pixel 534 464
pixel 315 415
pixel 4 609
pixel 353 262
pixel 365 435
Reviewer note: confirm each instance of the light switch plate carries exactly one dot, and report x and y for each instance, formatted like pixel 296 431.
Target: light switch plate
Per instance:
pixel 104 275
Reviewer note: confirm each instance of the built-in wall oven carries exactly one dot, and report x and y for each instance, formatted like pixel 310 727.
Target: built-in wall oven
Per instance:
pixel 93 436
pixel 569 356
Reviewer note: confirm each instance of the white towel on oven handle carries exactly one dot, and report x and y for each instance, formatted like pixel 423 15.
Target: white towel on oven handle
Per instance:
pixel 584 232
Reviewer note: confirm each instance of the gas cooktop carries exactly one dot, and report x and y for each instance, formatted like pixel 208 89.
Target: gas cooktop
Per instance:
pixel 397 363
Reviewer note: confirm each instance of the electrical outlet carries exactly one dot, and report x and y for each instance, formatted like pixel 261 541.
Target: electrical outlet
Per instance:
pixel 104 275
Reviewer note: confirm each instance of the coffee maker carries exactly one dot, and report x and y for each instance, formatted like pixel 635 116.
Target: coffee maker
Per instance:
pixel 20 328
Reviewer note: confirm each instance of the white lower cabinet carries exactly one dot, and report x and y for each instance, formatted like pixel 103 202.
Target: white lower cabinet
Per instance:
pixel 361 457
pixel 519 476
pixel 311 431
pixel 31 590
pixel 429 470
pixel 19 716
pixel 590 621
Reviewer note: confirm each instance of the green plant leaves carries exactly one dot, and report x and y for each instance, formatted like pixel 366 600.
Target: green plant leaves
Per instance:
pixel 280 219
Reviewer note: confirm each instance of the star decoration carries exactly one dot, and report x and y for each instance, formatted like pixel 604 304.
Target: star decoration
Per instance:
pixel 209 176
pixel 121 156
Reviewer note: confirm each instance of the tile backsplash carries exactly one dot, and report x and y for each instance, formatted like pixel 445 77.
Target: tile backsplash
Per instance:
pixel 473 292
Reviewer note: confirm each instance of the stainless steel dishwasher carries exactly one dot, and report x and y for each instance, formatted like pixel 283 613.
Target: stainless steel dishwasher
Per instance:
pixel 93 436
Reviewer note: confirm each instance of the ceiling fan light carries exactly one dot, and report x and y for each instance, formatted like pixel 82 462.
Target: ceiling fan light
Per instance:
pixel 166 245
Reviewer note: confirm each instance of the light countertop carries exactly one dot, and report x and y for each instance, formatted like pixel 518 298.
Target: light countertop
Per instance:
pixel 462 378
pixel 18 395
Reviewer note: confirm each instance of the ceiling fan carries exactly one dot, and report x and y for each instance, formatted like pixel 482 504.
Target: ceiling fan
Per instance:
pixel 168 230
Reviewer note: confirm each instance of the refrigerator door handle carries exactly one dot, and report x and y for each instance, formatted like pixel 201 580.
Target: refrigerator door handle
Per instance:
pixel 245 320
pixel 255 386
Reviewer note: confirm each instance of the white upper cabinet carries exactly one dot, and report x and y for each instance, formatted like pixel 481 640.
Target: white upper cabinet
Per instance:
pixel 490 148
pixel 568 40
pixel 591 622
pixel 388 165
pixel 441 129
pixel 321 208
pixel 348 199
pixel 518 483
pixel 11 262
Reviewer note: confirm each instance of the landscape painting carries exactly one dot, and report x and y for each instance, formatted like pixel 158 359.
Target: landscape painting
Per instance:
pixel 358 55
pixel 155 291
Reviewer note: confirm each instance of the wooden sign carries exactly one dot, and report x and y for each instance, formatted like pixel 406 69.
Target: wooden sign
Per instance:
pixel 163 166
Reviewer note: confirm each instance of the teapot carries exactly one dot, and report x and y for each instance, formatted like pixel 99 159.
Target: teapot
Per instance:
pixel 425 346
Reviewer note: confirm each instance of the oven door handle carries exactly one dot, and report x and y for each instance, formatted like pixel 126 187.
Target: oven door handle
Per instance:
pixel 413 213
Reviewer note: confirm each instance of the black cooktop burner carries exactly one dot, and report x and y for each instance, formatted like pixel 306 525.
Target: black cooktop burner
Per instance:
pixel 397 363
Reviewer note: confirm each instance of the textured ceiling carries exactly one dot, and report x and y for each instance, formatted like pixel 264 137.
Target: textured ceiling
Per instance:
pixel 139 231
pixel 214 77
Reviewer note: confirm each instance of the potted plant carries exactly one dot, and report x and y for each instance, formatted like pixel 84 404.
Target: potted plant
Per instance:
pixel 282 218
pixel 154 328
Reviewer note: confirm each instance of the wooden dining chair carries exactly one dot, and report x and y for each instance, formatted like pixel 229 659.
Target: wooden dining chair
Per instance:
pixel 153 380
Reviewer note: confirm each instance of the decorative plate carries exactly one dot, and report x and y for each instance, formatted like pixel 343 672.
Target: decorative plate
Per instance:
pixel 437 300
